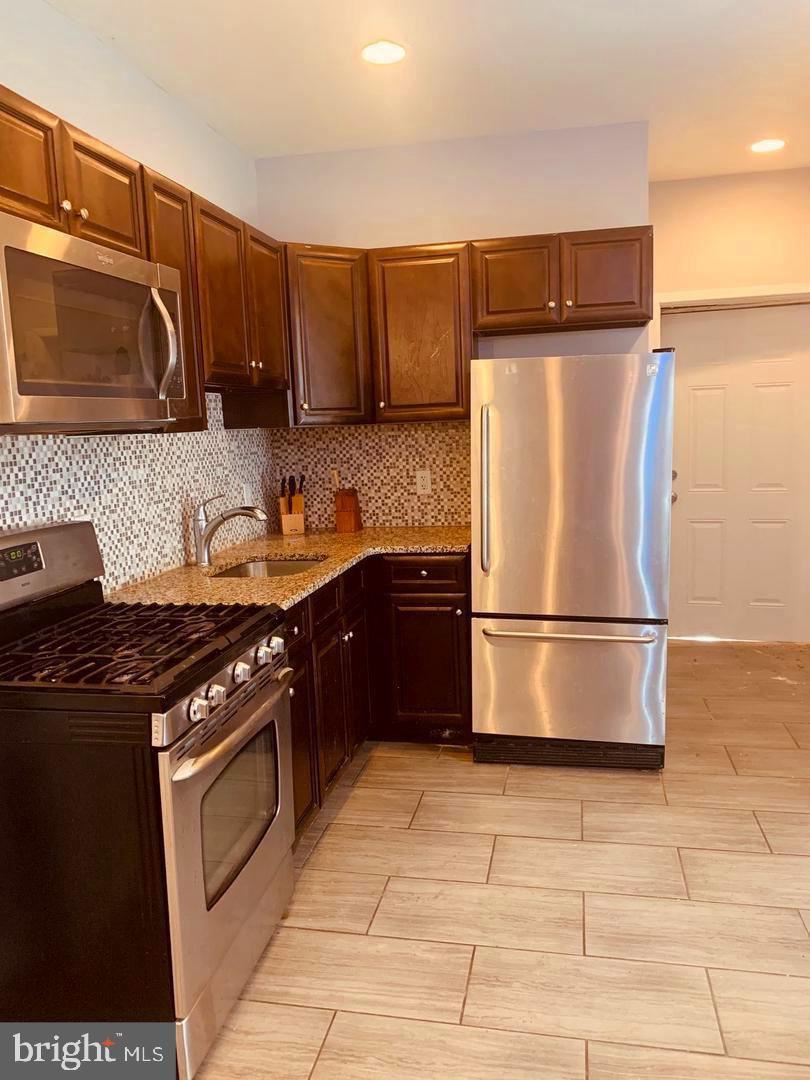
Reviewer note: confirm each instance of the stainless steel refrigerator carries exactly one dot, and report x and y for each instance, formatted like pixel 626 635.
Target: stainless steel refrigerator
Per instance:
pixel 571 481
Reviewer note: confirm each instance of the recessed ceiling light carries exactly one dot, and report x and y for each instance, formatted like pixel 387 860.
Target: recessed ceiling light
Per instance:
pixel 767 146
pixel 383 52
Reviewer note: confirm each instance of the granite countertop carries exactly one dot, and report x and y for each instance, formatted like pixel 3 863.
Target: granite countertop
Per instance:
pixel 193 585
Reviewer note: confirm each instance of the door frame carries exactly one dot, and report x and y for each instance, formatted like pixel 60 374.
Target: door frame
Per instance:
pixel 719 299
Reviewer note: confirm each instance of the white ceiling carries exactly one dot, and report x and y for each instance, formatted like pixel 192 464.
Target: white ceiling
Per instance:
pixel 284 76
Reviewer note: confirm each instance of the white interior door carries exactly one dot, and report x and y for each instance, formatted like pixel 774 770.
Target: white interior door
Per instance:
pixel 740 525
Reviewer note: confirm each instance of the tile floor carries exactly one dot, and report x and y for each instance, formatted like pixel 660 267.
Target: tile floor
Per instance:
pixel 480 922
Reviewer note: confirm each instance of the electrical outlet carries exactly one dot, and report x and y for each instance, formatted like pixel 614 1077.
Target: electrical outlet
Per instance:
pixel 424 485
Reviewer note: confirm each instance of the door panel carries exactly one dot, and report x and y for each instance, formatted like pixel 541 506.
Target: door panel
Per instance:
pixel 566 686
pixel 420 318
pixel 330 703
pixel 328 290
pixel 607 277
pixel 357 677
pixel 515 282
pixel 219 238
pixel 304 754
pixel 267 308
pixel 30 162
pixel 170 229
pixel 108 185
pixel 741 525
pixel 579 485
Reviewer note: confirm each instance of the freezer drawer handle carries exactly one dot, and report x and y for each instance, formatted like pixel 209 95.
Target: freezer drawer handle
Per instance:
pixel 613 639
pixel 485 560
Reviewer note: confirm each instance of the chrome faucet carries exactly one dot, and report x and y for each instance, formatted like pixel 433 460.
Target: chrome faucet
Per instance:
pixel 204 529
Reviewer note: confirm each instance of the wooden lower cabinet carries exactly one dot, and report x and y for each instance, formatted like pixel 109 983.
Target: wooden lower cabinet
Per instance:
pixel 355 639
pixel 302 722
pixel 330 703
pixel 424 642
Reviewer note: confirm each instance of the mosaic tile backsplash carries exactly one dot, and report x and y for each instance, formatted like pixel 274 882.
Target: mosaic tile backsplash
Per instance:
pixel 380 460
pixel 140 490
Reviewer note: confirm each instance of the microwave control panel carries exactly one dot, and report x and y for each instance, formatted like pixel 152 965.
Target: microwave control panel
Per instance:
pixel 20 560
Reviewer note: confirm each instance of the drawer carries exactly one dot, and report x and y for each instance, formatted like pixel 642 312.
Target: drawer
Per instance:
pixel 324 605
pixel 351 585
pixel 296 626
pixel 425 573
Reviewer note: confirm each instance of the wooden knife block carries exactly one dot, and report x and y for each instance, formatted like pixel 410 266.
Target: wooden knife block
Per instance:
pixel 347 511
pixel 292 523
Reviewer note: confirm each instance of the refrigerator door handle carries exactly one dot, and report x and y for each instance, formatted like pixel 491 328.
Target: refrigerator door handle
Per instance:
pixel 617 639
pixel 485 557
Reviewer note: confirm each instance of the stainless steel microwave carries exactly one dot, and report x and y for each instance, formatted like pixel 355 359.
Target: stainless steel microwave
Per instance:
pixel 90 339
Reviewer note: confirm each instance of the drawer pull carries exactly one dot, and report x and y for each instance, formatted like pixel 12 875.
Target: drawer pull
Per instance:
pixel 617 639
pixel 423 573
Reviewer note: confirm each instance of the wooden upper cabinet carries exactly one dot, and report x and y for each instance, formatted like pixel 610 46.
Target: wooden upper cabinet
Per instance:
pixel 607 277
pixel 267 310
pixel 170 233
pixel 220 243
pixel 30 162
pixel 105 189
pixel 515 283
pixel 328 292
pixel 420 325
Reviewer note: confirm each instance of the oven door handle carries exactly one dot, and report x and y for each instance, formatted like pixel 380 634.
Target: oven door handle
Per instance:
pixel 192 767
pixel 171 337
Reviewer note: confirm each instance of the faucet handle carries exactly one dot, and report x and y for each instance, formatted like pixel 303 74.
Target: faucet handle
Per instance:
pixel 201 512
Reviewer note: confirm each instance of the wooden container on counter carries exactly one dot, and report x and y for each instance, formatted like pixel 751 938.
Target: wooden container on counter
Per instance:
pixel 347 511
pixel 291 513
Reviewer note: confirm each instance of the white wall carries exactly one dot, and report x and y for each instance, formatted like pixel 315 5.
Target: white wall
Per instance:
pixel 732 231
pixel 48 59
pixel 463 189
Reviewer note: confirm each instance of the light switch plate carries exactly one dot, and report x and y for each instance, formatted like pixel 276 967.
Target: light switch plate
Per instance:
pixel 424 485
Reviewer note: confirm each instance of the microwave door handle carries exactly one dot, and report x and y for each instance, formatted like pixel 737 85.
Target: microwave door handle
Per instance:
pixel 171 337
pixel 202 762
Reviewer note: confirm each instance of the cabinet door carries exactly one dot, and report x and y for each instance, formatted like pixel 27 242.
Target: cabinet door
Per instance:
pixel 304 753
pixel 328 290
pixel 170 232
pixel 267 310
pixel 223 303
pixel 105 189
pixel 421 336
pixel 428 642
pixel 30 162
pixel 355 640
pixel 330 703
pixel 515 283
pixel 607 277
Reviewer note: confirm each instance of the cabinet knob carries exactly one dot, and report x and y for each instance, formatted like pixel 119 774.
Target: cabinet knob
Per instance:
pixel 552 304
pixel 261 365
pixel 345 637
pixel 295 631
pixel 459 611
pixel 351 634
pixel 423 573
pixel 84 214
pixel 253 363
pixel 569 303
pixel 66 205
pixel 292 691
pixel 304 406
pixel 381 404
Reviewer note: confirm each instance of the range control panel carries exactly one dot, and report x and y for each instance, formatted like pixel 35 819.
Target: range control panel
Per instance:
pixel 20 560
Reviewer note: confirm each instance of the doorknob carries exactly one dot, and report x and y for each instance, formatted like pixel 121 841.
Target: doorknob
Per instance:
pixel 674 497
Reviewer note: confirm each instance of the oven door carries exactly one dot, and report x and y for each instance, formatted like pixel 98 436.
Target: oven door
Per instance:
pixel 227 806
pixel 90 339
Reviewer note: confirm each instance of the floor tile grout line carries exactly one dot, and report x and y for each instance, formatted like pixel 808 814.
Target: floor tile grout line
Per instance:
pixel 416 808
pixel 762 830
pixel 716 1011
pixel 377 906
pixel 584 931
pixel 491 857
pixel 467 986
pixel 683 873
pixel 323 1043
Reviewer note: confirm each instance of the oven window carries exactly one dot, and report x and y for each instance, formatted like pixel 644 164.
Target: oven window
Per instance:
pixel 80 333
pixel 237 810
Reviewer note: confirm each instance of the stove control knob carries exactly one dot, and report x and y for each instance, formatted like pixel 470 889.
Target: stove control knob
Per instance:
pixel 198 709
pixel 264 654
pixel 241 672
pixel 217 694
pixel 277 645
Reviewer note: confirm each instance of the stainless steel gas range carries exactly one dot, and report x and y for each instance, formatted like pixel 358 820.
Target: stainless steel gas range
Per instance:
pixel 146 810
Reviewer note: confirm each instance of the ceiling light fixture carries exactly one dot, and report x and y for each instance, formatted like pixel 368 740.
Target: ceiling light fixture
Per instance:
pixel 383 52
pixel 767 146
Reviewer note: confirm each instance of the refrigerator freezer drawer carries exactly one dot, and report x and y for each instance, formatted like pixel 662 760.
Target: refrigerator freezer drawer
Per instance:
pixel 599 682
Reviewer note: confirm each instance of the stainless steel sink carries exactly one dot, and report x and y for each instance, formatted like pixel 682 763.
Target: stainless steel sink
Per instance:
pixel 271 567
